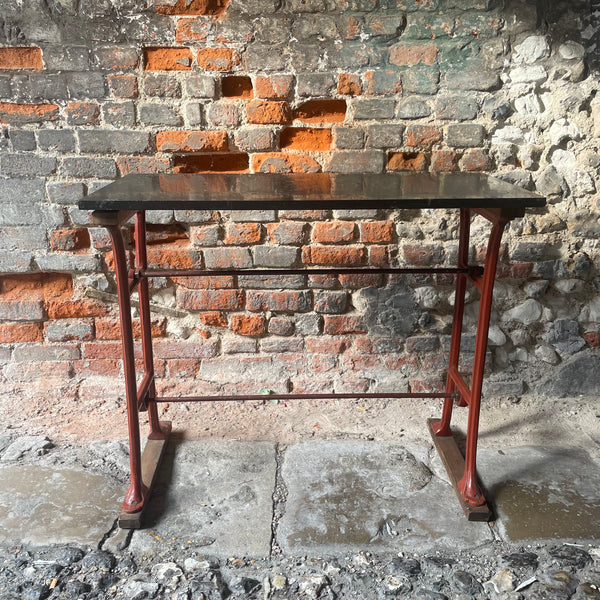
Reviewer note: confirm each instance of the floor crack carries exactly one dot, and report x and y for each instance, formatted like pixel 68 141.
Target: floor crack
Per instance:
pixel 280 493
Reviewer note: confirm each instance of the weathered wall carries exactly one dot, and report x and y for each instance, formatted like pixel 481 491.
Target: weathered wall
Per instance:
pixel 93 90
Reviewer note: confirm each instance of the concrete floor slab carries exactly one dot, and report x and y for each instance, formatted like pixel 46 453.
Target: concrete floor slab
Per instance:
pixel 349 496
pixel 543 493
pixel 215 496
pixel 42 505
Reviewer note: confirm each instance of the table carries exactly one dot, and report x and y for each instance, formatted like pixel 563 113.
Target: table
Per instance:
pixel 114 205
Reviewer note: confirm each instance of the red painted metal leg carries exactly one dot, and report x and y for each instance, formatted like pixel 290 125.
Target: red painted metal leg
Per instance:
pixel 468 484
pixel 134 498
pixel 141 262
pixel 442 427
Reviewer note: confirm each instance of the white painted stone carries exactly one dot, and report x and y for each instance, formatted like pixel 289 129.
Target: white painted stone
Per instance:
pixel 529 105
pixel 527 312
pixel 571 51
pixel 564 161
pixel 428 297
pixel 496 336
pixel 547 354
pixel 532 49
pixel 508 134
pixel 561 131
pixel 590 313
pixel 529 74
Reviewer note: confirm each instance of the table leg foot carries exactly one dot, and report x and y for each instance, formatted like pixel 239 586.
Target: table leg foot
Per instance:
pixel 455 467
pixel 151 457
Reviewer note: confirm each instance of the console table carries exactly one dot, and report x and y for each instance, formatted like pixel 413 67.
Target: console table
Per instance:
pixel 114 205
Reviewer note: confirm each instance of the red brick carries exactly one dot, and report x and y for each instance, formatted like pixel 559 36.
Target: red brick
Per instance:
pixel 15 333
pixel 426 385
pixel 12 113
pixel 284 162
pixel 423 255
pixel 82 113
pixel 333 232
pixel 268 112
pixel 123 86
pixel 327 255
pixel 305 138
pixel 68 308
pixel 213 319
pixel 192 141
pixel 422 136
pixel 69 239
pixel 210 299
pixel 380 256
pixel 174 256
pixel 355 282
pixel 21 58
pixel 514 271
pixel 592 338
pixel 143 164
pixel 248 324
pixel 211 163
pixel 323 363
pixel 443 161
pixel 286 234
pixel 273 87
pixel 109 328
pixel 183 367
pixel 193 7
pixel 343 324
pixel 376 232
pixel 212 282
pixel 326 345
pixel 102 367
pixel 192 30
pixel 413 54
pixel 218 59
pixel 349 85
pixel 475 159
pixel 237 87
pixel 167 59
pixel 108 350
pixel 321 111
pixel 278 301
pixel 243 233
pixel 407 161
pixel 304 215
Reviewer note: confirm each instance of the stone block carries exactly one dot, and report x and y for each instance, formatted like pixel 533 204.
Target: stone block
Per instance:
pixel 421 80
pixel 374 108
pixel 266 57
pixel 25 238
pixel 26 191
pixel 80 166
pixel 159 114
pixel 465 135
pixel 39 87
pixel 26 165
pixel 385 136
pixel 413 108
pixel 275 256
pixel 88 84
pixel 66 58
pixel 348 138
pixel 15 261
pixel 316 84
pixel 56 140
pixel 108 141
pixel 355 162
pixel 22 140
pixel 71 263
pixel 456 108
pixel 165 85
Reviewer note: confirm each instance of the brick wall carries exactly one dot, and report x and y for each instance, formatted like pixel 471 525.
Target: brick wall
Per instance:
pixel 92 91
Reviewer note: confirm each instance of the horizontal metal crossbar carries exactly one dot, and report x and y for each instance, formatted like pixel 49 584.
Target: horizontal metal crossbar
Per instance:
pixel 333 396
pixel 471 270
